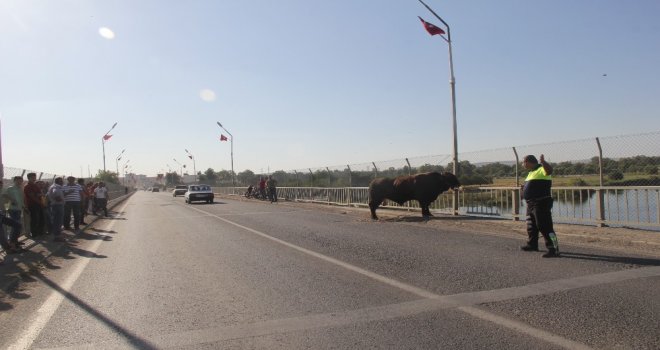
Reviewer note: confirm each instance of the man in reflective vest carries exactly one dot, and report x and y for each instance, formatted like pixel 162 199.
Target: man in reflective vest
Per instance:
pixel 538 197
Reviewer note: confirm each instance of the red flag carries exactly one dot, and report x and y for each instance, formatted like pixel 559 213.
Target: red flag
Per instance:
pixel 431 28
pixel 106 137
pixel 223 137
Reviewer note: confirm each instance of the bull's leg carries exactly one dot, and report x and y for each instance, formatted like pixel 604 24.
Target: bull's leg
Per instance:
pixel 373 205
pixel 426 213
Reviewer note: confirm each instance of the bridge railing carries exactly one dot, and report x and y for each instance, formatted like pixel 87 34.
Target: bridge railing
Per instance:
pixel 636 206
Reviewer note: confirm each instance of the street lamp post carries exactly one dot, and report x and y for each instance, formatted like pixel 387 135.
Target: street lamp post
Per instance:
pixel 180 166
pixel 124 170
pixel 452 84
pixel 118 159
pixel 194 165
pixel 233 175
pixel 103 139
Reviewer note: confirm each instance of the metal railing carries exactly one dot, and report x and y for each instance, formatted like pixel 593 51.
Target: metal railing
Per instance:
pixel 635 206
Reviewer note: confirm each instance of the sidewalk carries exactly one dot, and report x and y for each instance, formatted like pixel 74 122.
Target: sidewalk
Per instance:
pixel 37 250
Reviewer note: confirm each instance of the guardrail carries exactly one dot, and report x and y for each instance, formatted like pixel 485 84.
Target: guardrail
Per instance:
pixel 636 206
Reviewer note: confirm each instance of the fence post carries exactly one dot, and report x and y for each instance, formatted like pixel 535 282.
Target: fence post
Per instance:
pixel 515 199
pixel 350 184
pixel 600 162
pixel 600 207
pixel 517 161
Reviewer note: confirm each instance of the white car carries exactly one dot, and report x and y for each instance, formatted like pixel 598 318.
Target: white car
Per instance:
pixel 179 190
pixel 199 193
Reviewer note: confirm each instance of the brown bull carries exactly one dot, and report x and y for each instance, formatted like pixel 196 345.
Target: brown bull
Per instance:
pixel 425 188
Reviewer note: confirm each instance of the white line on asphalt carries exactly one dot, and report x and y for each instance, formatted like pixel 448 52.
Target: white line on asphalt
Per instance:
pixel 517 326
pixel 54 300
pixel 463 302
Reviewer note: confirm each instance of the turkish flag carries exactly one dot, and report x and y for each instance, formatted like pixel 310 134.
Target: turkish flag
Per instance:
pixel 431 28
pixel 223 137
pixel 106 137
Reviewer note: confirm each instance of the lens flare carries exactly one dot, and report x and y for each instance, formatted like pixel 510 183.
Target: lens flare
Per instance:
pixel 106 33
pixel 207 95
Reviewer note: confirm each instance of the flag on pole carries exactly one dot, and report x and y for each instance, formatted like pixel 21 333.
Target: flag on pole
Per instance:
pixel 223 137
pixel 431 28
pixel 107 137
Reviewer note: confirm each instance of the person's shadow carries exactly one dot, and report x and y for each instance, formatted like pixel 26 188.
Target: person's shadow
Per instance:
pixel 613 259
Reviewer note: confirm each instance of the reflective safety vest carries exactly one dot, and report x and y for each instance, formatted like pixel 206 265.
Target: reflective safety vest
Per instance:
pixel 537 184
pixel 538 174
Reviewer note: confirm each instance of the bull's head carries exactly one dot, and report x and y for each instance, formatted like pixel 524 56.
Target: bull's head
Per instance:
pixel 451 180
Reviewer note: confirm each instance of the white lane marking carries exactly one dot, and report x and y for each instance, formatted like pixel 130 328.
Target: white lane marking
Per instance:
pixel 484 315
pixel 523 328
pixel 54 300
pixel 464 302
pixel 417 291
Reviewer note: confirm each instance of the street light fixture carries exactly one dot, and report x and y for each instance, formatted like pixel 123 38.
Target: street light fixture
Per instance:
pixel 181 165
pixel 194 165
pixel 118 159
pixel 452 84
pixel 233 175
pixel 124 170
pixel 103 139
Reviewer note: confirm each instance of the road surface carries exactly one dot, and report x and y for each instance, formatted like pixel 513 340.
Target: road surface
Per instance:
pixel 162 274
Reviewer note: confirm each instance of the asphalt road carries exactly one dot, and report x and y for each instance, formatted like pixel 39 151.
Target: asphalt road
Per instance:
pixel 255 275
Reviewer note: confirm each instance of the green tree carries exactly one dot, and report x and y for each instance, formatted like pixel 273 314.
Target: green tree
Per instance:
pixel 210 176
pixel 246 177
pixel 107 177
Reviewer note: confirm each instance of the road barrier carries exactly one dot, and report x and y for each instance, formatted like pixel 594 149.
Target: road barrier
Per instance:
pixel 635 206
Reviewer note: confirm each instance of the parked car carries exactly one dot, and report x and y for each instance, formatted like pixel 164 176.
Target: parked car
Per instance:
pixel 155 189
pixel 179 190
pixel 199 193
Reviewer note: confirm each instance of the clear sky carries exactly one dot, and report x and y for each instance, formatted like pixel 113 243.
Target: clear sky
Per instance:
pixel 303 83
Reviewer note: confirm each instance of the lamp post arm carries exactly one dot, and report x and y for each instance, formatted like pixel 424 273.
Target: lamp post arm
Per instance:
pixel 438 17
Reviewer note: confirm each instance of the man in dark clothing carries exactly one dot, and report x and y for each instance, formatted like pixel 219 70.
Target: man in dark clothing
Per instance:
pixel 538 197
pixel 33 201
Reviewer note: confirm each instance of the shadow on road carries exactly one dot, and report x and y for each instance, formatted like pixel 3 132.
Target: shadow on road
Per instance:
pixel 613 259
pixel 133 338
pixel 432 218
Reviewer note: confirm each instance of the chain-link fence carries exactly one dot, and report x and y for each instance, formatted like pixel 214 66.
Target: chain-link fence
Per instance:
pixel 626 160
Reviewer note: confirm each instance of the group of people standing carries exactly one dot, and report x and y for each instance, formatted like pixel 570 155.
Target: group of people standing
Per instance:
pixel 49 207
pixel 267 189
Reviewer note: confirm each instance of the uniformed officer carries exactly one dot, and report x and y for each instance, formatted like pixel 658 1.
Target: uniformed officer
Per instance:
pixel 538 197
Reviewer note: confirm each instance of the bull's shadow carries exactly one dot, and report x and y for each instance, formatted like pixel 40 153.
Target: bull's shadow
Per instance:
pixel 411 218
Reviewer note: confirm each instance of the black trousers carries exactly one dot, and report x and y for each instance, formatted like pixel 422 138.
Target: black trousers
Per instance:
pixel 37 219
pixel 539 219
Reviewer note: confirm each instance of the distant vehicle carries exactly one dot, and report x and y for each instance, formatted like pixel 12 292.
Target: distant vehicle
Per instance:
pixel 155 189
pixel 199 193
pixel 179 190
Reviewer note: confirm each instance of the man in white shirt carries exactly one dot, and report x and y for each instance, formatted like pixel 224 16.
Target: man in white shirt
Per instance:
pixel 101 197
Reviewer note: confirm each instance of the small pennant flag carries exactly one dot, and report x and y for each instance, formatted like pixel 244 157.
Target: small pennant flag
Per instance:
pixel 223 137
pixel 106 137
pixel 431 28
